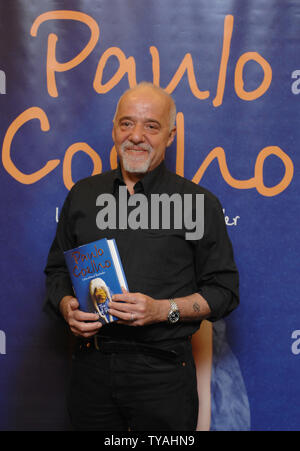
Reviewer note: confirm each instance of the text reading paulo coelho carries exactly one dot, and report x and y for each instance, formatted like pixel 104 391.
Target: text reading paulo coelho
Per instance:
pixel 89 258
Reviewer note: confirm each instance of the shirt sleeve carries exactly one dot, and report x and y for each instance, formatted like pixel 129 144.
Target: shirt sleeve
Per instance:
pixel 217 274
pixel 58 282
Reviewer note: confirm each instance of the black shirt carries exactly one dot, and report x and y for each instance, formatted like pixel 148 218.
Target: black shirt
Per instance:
pixel 159 263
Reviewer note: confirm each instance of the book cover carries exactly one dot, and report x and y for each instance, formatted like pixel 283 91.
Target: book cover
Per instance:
pixel 97 273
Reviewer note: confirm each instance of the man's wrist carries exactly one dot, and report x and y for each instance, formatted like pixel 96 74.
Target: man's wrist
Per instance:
pixel 63 304
pixel 164 307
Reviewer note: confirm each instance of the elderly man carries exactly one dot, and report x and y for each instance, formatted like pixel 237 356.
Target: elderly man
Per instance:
pixel 138 373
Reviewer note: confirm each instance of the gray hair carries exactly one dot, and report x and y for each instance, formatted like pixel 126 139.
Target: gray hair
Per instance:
pixel 146 84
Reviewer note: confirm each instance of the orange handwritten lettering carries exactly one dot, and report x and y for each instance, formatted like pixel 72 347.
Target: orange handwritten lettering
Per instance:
pixel 180 144
pixel 155 65
pixel 53 65
pixel 286 179
pixel 27 115
pixel 257 180
pixel 187 65
pixel 67 164
pixel 126 65
pixel 228 28
pixel 113 158
pixel 239 81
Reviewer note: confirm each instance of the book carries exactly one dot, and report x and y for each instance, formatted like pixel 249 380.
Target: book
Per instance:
pixel 96 273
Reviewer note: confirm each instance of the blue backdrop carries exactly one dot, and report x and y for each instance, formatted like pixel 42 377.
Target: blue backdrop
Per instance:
pixel 233 68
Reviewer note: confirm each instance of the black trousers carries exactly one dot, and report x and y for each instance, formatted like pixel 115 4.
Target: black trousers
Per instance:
pixel 121 387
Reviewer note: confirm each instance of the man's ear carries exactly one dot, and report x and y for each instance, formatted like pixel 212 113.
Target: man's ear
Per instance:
pixel 172 135
pixel 113 132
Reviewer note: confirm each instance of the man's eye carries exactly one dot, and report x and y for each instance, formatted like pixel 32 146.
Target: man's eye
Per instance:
pixel 125 124
pixel 152 126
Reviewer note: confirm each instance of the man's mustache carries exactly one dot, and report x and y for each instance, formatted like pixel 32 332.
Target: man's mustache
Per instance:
pixel 129 145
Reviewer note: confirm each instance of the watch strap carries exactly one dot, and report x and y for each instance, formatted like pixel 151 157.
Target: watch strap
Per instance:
pixel 174 314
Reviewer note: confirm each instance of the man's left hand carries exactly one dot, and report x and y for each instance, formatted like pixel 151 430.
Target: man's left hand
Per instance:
pixel 136 309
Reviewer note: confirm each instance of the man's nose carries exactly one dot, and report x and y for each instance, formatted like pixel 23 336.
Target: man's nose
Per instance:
pixel 137 134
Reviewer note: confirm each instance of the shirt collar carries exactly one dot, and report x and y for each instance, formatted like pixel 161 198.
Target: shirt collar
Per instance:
pixel 147 184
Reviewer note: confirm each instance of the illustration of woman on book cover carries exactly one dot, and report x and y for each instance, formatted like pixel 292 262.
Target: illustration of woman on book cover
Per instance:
pixel 100 296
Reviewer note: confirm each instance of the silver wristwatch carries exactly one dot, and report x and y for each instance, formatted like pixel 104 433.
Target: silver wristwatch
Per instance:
pixel 174 314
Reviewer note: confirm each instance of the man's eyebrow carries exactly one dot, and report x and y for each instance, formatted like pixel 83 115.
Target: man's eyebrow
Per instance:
pixel 132 118
pixel 152 120
pixel 126 117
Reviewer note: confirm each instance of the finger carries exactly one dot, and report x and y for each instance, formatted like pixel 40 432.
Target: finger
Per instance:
pixel 83 334
pixel 118 314
pixel 74 304
pixel 79 315
pixel 82 327
pixel 126 316
pixel 124 290
pixel 132 319
pixel 120 306
pixel 125 297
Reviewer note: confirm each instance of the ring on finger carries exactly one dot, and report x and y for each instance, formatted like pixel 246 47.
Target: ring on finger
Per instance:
pixel 132 318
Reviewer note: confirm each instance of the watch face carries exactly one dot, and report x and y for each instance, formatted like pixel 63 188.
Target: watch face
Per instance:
pixel 174 316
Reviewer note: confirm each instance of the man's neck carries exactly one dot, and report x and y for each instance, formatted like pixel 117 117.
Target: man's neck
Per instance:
pixel 130 179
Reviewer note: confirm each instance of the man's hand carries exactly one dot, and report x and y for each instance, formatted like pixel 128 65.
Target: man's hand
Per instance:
pixel 76 319
pixel 137 309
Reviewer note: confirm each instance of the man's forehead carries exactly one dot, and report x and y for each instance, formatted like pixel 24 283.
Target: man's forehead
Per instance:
pixel 143 99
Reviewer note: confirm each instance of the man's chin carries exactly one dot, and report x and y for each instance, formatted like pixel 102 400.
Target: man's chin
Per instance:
pixel 135 167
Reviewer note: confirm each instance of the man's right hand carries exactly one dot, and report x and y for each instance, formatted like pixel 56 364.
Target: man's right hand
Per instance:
pixel 69 308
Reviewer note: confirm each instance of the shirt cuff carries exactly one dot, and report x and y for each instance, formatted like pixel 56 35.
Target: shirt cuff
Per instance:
pixel 220 300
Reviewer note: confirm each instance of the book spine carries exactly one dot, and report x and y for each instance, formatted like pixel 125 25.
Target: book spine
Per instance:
pixel 118 263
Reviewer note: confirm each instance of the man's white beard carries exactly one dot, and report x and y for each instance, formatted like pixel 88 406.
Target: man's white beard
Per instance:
pixel 127 161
